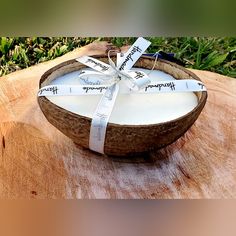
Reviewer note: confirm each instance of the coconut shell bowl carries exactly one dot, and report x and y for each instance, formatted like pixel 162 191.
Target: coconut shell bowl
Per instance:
pixel 121 139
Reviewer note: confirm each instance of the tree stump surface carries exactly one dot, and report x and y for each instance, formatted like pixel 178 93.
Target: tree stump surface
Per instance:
pixel 38 161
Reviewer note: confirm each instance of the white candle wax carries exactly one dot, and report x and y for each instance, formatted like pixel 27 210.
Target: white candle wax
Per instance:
pixel 130 109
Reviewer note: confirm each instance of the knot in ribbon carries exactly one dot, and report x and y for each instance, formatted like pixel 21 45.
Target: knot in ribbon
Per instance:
pixel 111 74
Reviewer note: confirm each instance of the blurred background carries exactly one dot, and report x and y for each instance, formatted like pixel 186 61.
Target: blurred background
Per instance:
pixel 118 217
pixel 217 54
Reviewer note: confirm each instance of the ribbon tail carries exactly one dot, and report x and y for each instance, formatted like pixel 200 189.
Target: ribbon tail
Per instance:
pixel 101 117
pixel 135 80
pixel 96 64
pixel 133 54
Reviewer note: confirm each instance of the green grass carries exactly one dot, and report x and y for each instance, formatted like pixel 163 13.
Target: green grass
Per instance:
pixel 204 53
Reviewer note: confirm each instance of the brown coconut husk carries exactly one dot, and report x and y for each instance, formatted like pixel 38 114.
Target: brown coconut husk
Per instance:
pixel 121 140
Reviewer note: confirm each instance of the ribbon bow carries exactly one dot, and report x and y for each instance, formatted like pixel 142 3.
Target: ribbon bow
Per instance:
pixel 106 80
pixel 135 80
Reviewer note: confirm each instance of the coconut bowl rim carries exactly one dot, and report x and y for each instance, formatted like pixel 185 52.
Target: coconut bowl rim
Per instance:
pixel 201 101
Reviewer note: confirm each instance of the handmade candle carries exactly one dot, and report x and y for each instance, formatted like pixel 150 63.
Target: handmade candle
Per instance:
pixel 130 109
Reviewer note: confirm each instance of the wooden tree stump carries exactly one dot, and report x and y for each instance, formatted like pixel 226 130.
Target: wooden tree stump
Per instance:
pixel 37 161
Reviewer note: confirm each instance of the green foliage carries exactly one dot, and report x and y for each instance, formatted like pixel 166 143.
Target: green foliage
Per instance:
pixel 214 54
pixel 5 45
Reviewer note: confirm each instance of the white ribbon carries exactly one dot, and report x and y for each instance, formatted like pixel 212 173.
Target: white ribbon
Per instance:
pixel 105 80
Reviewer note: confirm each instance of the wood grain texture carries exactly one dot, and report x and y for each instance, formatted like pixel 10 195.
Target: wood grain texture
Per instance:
pixel 38 161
